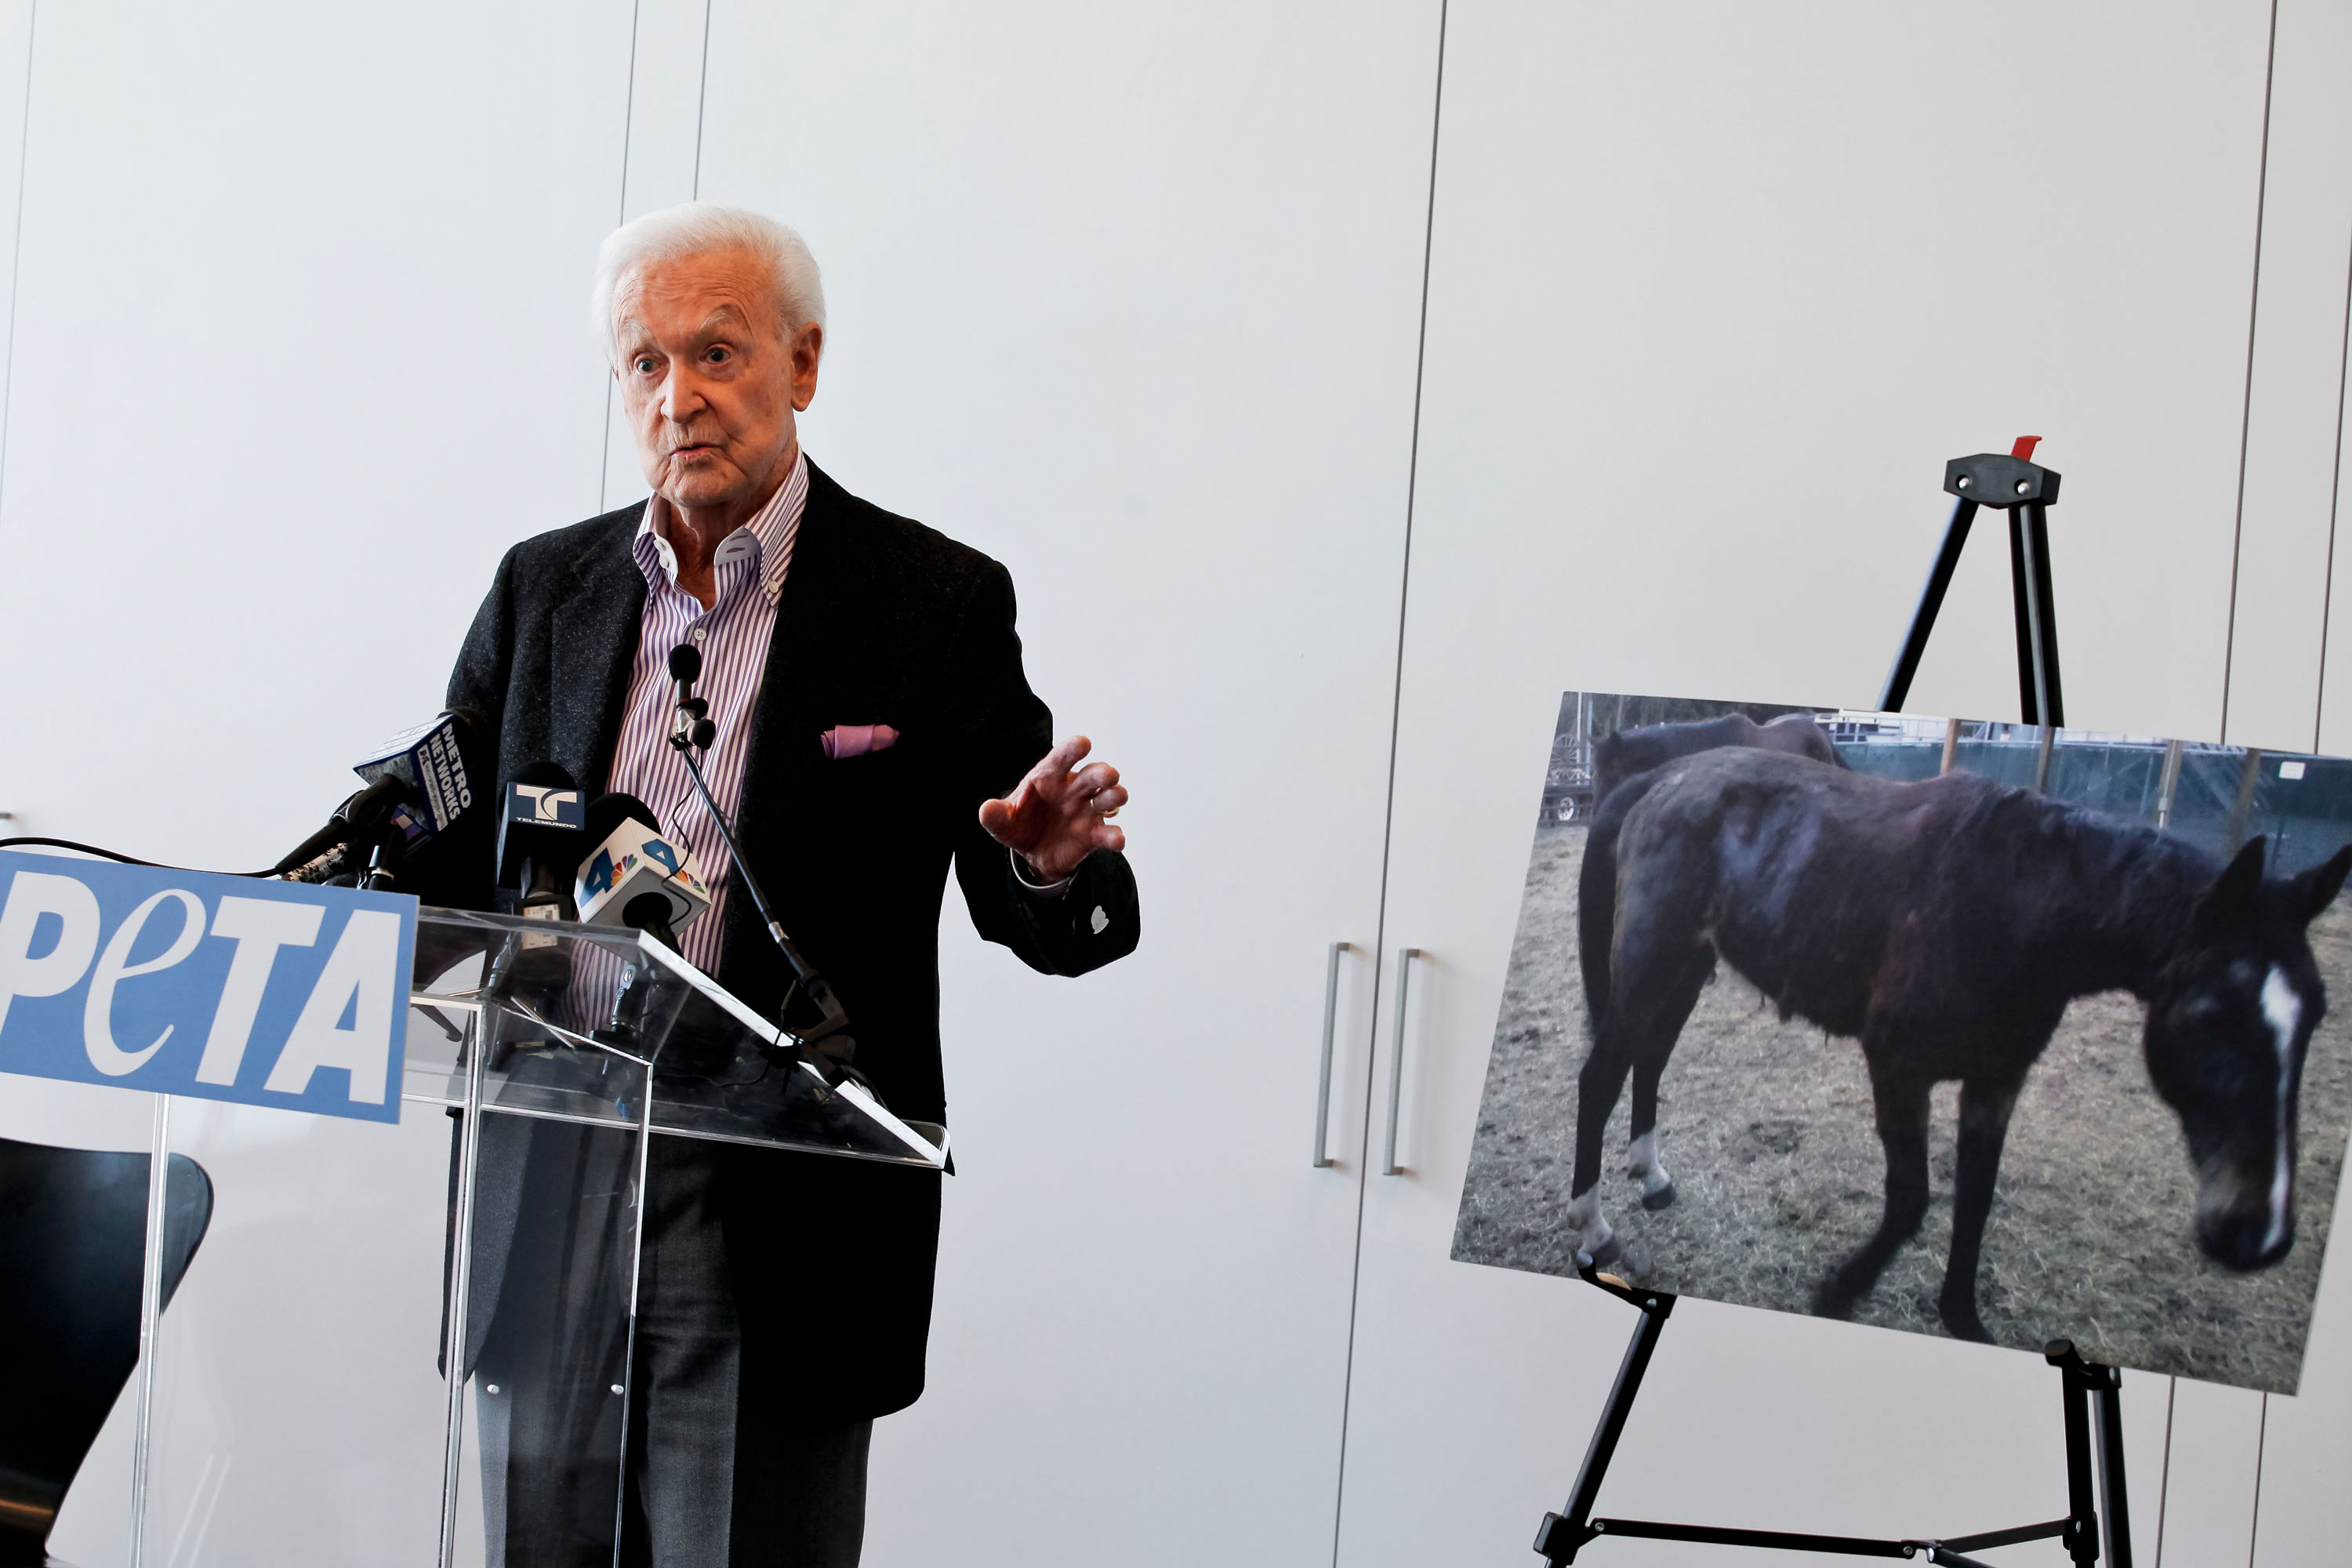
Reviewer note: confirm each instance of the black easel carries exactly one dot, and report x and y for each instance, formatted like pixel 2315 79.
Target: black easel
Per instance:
pixel 2026 492
pixel 2097 1510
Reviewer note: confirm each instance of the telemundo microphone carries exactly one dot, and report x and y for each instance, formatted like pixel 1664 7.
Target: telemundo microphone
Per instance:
pixel 416 784
pixel 541 836
pixel 543 833
pixel 636 876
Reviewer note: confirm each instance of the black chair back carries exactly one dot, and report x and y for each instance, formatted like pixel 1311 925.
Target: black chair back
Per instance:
pixel 73 1228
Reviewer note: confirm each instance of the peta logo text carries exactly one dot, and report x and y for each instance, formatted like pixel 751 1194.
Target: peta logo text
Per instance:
pixel 183 982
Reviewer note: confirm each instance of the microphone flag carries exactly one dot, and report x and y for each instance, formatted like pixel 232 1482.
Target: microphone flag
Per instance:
pixel 427 760
pixel 542 820
pixel 635 859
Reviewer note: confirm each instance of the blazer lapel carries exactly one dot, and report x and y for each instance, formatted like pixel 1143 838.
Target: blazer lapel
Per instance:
pixel 595 642
pixel 796 690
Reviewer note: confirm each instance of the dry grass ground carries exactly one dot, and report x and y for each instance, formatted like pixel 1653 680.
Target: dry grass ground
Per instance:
pixel 1767 1130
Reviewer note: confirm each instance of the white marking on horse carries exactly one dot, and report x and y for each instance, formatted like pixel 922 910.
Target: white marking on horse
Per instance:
pixel 1584 1214
pixel 2283 1009
pixel 1641 1161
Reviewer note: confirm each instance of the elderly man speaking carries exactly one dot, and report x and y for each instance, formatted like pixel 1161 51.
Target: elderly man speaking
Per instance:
pixel 873 724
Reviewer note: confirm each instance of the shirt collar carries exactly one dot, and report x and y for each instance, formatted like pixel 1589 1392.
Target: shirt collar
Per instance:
pixel 766 540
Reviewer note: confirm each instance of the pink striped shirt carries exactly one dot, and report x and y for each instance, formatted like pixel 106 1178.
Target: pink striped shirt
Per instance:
pixel 748 569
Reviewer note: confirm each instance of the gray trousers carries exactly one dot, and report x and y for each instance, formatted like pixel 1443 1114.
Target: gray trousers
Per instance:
pixel 708 1485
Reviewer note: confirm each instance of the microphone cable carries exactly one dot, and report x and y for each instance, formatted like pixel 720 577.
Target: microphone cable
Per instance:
pixel 38 841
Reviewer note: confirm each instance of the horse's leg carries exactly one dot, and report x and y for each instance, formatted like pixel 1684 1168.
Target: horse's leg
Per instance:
pixel 1903 1128
pixel 1655 991
pixel 1656 961
pixel 1985 1106
pixel 1598 1085
pixel 1641 1161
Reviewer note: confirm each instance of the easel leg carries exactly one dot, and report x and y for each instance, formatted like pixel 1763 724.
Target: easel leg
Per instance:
pixel 2021 597
pixel 2091 1483
pixel 1931 600
pixel 2115 1506
pixel 2036 611
pixel 1562 1534
pixel 2082 1522
pixel 2045 612
pixel 2098 1511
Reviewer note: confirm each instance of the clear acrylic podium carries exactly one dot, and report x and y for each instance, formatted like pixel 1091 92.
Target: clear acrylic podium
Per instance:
pixel 293 1406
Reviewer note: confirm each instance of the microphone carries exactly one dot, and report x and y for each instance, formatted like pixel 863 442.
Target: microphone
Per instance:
pixel 541 833
pixel 810 1013
pixel 417 786
pixel 430 760
pixel 315 858
pixel 693 722
pixel 634 874
pixel 539 839
pixel 649 912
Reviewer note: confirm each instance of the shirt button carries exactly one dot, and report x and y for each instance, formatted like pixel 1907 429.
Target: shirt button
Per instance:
pixel 698 634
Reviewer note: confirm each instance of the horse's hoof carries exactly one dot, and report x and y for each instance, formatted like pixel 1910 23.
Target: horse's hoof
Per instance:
pixel 1663 1198
pixel 1834 1299
pixel 1962 1323
pixel 1607 1252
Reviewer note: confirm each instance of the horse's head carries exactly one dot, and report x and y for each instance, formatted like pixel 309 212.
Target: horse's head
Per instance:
pixel 2227 1024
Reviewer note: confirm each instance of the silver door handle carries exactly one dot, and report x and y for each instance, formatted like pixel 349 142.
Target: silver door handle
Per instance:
pixel 1330 1023
pixel 1405 956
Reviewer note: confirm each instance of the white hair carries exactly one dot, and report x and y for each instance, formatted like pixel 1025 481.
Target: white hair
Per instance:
pixel 698 229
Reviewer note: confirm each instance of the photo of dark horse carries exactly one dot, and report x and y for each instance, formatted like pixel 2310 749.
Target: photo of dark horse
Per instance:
pixel 1944 924
pixel 1969 1029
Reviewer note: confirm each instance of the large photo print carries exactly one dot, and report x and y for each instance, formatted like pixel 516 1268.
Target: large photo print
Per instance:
pixel 1961 1027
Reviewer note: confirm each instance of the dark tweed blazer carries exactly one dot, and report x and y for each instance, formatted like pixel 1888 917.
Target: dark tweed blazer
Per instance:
pixel 882 620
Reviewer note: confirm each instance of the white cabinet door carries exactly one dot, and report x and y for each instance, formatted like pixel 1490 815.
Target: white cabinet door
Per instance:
pixel 1127 297
pixel 1714 292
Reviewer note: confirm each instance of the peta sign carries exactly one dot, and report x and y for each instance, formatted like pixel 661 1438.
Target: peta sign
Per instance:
pixel 264 993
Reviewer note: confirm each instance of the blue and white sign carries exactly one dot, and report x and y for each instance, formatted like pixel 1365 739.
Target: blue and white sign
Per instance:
pixel 263 992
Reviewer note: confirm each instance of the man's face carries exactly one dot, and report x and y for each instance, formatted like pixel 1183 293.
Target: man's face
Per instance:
pixel 709 384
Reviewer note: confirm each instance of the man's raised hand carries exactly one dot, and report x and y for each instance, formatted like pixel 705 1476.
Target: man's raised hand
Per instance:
pixel 1060 813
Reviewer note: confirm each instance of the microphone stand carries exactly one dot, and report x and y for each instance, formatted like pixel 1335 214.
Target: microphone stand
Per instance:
pixel 829 1040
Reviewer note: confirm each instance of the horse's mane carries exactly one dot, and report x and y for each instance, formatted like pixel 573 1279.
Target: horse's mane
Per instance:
pixel 2132 882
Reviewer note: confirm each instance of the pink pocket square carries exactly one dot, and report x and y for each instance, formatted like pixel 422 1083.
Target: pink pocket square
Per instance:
pixel 845 741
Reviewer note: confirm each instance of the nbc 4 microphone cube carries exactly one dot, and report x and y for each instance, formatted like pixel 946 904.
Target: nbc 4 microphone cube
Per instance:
pixel 634 860
pixel 426 758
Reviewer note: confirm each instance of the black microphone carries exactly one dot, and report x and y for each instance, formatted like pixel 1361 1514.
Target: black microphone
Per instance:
pixel 684 669
pixel 810 1012
pixel 417 786
pixel 540 841
pixel 649 912
pixel 361 811
pixel 692 721
pixel 539 844
pixel 608 811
